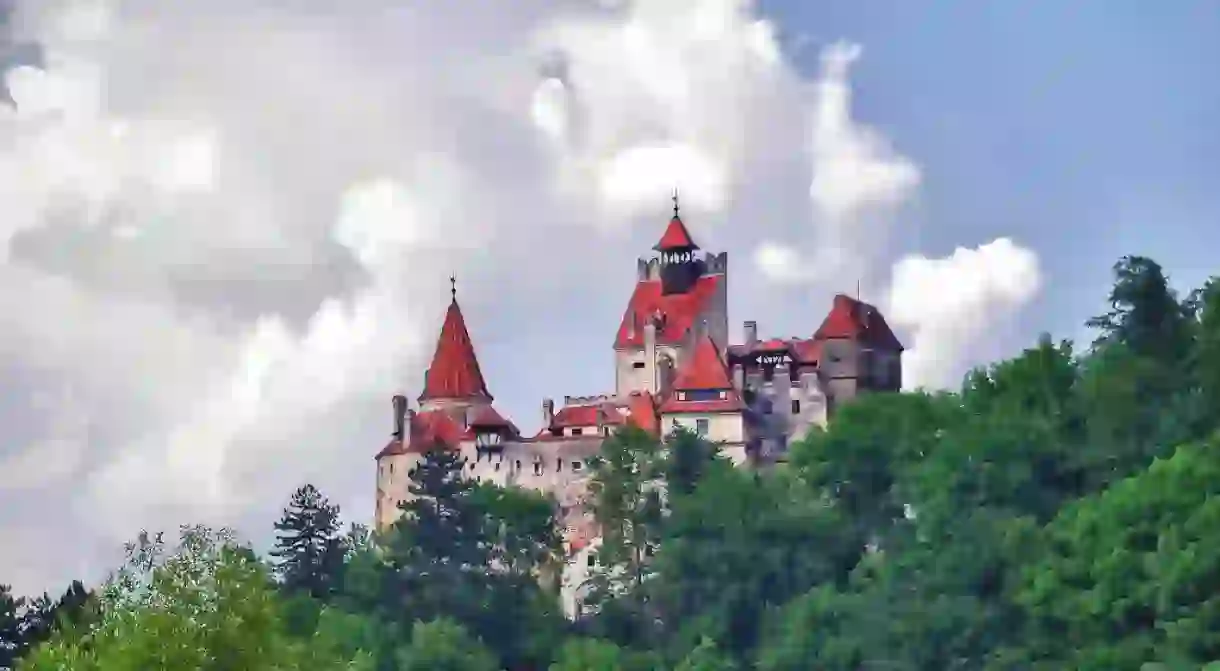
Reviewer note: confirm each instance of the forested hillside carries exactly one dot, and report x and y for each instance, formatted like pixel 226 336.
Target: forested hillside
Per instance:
pixel 1059 511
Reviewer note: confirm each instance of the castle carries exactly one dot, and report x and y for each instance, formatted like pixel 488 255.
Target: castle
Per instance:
pixel 673 368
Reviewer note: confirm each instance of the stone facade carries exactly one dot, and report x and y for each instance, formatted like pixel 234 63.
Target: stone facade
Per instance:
pixel 672 369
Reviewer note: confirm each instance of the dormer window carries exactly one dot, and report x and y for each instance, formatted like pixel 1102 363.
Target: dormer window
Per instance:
pixel 488 439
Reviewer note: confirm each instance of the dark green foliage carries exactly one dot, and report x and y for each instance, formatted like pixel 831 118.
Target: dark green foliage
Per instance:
pixel 11 644
pixel 309 549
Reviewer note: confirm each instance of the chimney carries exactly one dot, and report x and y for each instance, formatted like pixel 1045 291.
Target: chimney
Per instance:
pixel 650 356
pixel 400 416
pixel 751 332
pixel 548 412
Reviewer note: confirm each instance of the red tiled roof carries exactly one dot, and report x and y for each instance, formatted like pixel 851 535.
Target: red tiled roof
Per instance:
pixel 807 351
pixel 640 410
pixel 853 319
pixel 643 412
pixel 578 415
pixel 427 429
pixel 454 373
pixel 678 312
pixel 675 237
pixel 705 370
pixel 488 417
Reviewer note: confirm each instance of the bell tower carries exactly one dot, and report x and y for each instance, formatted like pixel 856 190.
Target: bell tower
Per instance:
pixel 680 268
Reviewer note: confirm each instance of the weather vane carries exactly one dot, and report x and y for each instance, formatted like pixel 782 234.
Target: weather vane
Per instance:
pixel 453 286
pixel 675 199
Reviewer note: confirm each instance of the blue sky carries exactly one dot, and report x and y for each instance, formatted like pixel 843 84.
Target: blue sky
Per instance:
pixel 1088 129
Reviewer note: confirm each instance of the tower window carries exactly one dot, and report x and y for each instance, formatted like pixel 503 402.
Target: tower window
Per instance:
pixel 701 426
pixel 537 468
pixel 637 364
pixel 558 465
pixel 796 407
pixel 577 431
pixel 768 373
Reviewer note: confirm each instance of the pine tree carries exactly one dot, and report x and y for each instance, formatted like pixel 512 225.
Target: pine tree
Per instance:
pixel 10 629
pixel 309 548
pixel 440 526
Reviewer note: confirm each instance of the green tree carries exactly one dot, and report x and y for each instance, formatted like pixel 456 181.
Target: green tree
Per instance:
pixel 688 458
pixel 11 643
pixel 626 499
pixel 860 460
pixel 706 657
pixel 1145 314
pixel 309 549
pixel 591 654
pixel 740 544
pixel 199 605
pixel 1128 575
pixel 444 645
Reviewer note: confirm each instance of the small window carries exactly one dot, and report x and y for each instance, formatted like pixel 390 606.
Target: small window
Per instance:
pixel 637 365
pixel 796 407
pixel 701 427
pixel 591 561
pixel 558 465
pixel 537 468
pixel 768 373
pixel 518 464
pixel 391 468
pixel 576 466
pixel 577 431
pixel 497 467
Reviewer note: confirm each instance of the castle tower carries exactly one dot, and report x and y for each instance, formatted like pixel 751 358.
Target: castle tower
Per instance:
pixel 677 292
pixel 454 381
pixel 680 269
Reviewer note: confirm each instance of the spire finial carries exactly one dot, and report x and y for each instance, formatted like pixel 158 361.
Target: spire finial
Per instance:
pixel 453 286
pixel 675 199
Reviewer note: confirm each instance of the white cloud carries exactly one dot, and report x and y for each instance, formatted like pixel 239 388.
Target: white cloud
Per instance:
pixel 858 181
pixel 949 304
pixel 228 231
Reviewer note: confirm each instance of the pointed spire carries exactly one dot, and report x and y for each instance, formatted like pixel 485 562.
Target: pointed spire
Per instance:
pixel 676 237
pixel 454 373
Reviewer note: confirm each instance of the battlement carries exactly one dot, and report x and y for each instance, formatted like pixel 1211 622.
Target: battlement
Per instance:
pixel 596 399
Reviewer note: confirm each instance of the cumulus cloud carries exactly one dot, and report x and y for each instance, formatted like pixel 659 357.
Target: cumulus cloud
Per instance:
pixel 948 304
pixel 228 230
pixel 858 181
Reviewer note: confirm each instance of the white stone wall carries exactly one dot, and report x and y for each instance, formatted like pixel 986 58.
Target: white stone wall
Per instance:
pixel 393 478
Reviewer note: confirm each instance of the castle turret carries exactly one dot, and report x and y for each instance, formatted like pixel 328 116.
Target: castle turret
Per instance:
pixel 680 268
pixel 454 378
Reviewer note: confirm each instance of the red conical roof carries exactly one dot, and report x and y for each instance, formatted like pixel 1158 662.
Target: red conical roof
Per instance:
pixel 454 373
pixel 676 237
